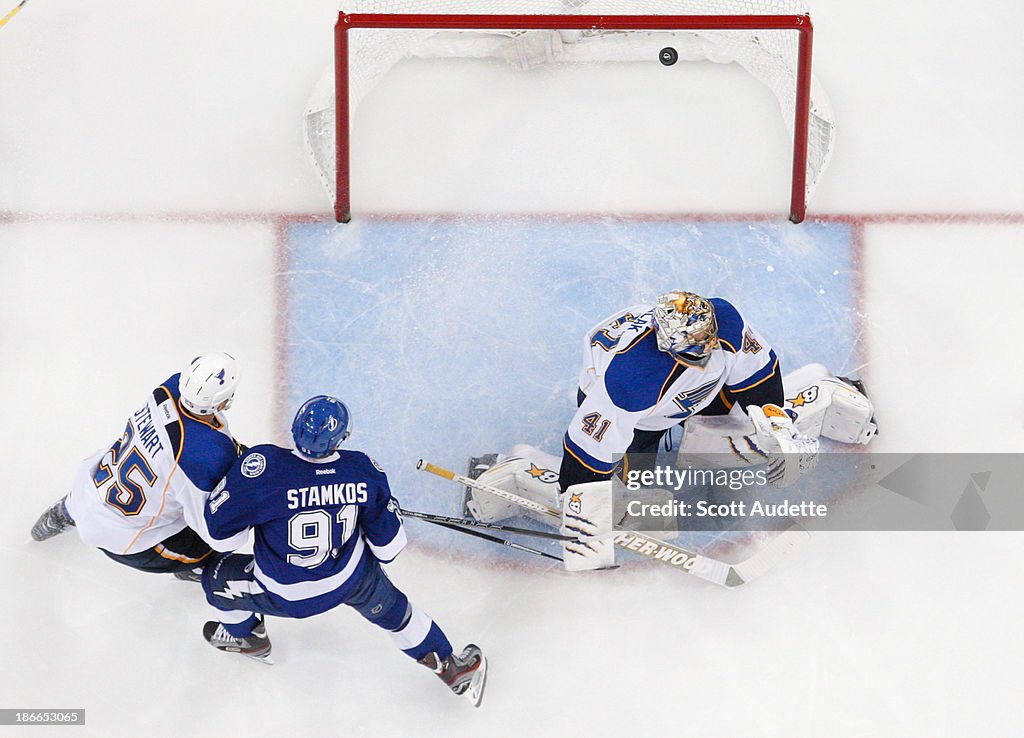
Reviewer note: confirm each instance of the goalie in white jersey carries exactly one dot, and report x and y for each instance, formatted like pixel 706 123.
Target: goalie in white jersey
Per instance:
pixel 141 500
pixel 649 368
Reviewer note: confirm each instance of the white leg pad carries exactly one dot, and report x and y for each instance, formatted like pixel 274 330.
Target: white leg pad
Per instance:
pixel 796 380
pixel 654 496
pixel 484 506
pixel 823 405
pixel 833 409
pixel 527 472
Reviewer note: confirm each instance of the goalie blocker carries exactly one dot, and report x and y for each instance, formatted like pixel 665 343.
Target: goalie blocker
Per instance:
pixel 587 514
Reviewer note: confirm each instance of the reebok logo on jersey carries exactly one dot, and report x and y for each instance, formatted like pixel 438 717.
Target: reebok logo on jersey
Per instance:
pixel 320 472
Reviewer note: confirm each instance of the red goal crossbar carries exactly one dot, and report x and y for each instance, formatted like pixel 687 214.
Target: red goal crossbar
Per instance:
pixel 799 23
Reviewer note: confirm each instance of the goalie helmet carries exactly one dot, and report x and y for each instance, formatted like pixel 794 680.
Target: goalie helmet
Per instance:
pixel 207 385
pixel 320 426
pixel 686 327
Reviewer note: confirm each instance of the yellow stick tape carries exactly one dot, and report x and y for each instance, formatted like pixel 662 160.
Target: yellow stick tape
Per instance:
pixel 427 466
pixel 12 13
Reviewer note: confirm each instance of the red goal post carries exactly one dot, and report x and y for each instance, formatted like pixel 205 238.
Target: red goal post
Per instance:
pixel 801 102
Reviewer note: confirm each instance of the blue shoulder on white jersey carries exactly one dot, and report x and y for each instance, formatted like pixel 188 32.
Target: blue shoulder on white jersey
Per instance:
pixel 730 325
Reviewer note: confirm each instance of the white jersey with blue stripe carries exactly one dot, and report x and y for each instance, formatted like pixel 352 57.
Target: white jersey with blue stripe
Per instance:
pixel 629 384
pixel 315 522
pixel 154 480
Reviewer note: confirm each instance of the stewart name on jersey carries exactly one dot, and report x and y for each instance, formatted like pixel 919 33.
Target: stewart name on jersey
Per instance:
pixel 315 522
pixel 154 480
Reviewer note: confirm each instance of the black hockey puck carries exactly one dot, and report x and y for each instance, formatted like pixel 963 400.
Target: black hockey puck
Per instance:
pixel 668 56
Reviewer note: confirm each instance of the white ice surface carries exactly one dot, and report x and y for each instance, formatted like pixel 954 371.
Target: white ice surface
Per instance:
pixel 120 121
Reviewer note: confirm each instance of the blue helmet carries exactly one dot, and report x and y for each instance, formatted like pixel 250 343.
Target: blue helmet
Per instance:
pixel 320 426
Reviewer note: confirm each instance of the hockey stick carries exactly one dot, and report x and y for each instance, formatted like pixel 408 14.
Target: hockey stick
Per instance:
pixel 703 567
pixel 13 13
pixel 466 522
pixel 485 536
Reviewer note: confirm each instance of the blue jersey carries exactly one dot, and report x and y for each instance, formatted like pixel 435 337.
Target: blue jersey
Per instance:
pixel 315 522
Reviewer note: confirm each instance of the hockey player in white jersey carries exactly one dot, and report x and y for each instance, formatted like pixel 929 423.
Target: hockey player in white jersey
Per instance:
pixel 141 500
pixel 684 360
pixel 324 521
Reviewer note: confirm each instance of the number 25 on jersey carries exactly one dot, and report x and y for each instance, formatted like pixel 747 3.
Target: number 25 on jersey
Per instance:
pixel 126 493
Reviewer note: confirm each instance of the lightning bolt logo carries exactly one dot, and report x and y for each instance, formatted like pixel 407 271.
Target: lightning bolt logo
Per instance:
pixel 238 588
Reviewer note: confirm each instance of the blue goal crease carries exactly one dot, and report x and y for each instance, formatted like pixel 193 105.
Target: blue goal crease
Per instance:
pixel 454 338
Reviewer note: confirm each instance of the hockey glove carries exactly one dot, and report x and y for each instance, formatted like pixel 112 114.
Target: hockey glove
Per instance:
pixel 587 514
pixel 790 455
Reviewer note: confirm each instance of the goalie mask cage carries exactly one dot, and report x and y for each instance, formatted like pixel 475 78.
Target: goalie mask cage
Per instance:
pixel 770 39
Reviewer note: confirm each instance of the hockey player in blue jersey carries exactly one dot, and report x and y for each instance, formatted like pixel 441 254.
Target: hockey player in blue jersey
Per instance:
pixel 323 520
pixel 141 500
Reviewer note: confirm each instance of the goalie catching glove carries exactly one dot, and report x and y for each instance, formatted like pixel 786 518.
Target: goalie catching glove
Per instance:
pixel 790 454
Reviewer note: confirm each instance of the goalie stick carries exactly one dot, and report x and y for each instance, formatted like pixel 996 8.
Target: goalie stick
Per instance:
pixel 703 567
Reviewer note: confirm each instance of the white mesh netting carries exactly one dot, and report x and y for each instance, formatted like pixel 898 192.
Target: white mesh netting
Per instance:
pixel 770 56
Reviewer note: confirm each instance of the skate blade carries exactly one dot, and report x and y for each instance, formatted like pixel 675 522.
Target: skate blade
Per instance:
pixel 265 658
pixel 475 692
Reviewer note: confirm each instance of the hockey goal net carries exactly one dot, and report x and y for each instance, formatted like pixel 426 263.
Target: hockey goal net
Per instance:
pixel 770 39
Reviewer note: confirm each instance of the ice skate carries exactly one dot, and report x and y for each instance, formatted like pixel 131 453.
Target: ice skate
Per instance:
pixel 190 575
pixel 465 674
pixel 256 645
pixel 52 522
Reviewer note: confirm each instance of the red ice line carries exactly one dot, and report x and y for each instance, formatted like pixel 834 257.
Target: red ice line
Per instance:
pixel 280 222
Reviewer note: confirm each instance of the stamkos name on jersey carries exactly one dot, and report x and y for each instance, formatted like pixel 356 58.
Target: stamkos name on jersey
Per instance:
pixel 347 493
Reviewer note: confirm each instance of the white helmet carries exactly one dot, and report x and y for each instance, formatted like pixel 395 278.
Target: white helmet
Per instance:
pixel 208 383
